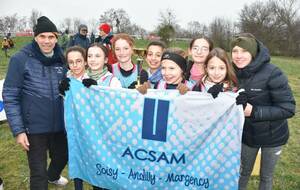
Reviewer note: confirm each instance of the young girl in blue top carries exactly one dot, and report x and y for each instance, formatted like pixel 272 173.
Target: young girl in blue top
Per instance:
pixel 127 72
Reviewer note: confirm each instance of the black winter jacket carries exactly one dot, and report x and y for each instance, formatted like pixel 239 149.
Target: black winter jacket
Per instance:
pixel 30 93
pixel 272 100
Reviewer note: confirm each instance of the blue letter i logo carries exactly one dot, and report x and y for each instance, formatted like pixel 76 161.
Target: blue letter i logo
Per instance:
pixel 155 119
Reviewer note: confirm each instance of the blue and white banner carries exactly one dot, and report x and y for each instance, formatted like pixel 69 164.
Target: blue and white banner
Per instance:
pixel 2 112
pixel 120 139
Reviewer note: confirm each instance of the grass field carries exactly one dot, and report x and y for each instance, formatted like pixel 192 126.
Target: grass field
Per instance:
pixel 13 161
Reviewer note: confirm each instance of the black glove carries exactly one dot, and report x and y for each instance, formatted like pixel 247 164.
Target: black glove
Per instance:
pixel 215 90
pixel 89 82
pixel 242 99
pixel 64 85
pixel 132 85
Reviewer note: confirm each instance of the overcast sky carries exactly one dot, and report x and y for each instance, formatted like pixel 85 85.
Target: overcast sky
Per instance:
pixel 142 12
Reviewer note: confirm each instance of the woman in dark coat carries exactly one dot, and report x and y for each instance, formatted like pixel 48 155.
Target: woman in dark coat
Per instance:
pixel 268 103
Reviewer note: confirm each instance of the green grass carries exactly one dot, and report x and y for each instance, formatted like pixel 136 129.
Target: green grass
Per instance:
pixel 13 160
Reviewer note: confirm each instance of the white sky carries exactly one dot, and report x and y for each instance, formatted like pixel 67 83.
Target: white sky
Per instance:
pixel 142 12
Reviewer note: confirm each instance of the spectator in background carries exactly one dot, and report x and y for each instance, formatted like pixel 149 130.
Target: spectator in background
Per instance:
pixel 64 40
pixel 80 39
pixel 199 48
pixel 268 102
pixel 92 38
pixel 10 41
pixel 105 38
pixel 5 46
pixel 34 108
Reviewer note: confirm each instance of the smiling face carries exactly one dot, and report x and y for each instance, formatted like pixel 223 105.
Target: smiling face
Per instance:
pixel 123 51
pixel 171 72
pixel 199 50
pixel 240 57
pixel 46 41
pixel 153 58
pixel 96 58
pixel 76 63
pixel 216 70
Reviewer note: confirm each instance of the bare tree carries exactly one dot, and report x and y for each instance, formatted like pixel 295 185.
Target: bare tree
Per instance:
pixel 167 25
pixel 167 17
pixel 35 14
pixel 8 23
pixel 287 13
pixel 93 25
pixel 137 30
pixel 76 22
pixel 220 31
pixel 260 20
pixel 195 29
pixel 118 19
pixel 275 23
pixel 22 24
pixel 66 24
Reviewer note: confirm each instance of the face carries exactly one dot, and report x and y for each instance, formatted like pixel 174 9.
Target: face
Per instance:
pixel 76 63
pixel 240 57
pixel 83 31
pixel 96 58
pixel 154 54
pixel 216 70
pixel 199 50
pixel 171 72
pixel 46 41
pixel 123 51
pixel 102 33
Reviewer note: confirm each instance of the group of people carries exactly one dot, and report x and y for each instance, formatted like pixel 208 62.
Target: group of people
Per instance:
pixel 37 75
pixel 7 44
pixel 81 39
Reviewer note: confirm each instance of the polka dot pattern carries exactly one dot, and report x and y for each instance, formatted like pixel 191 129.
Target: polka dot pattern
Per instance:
pixel 104 128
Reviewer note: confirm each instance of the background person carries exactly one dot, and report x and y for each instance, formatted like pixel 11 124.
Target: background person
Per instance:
pixel 5 46
pixel 268 102
pixel 34 108
pixel 105 38
pixel 80 39
pixel 198 50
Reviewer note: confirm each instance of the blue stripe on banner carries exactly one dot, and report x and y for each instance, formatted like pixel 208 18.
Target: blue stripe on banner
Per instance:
pixel 155 119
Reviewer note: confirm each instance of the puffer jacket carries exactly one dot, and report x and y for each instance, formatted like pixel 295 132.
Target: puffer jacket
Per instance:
pixel 30 92
pixel 79 40
pixel 272 100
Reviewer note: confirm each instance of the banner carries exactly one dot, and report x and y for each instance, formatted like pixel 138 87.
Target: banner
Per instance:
pixel 2 112
pixel 120 139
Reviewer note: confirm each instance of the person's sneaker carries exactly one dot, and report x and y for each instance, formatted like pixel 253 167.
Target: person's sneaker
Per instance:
pixel 62 181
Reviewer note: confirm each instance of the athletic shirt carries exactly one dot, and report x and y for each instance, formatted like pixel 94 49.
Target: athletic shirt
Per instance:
pixel 162 84
pixel 125 80
pixel 109 80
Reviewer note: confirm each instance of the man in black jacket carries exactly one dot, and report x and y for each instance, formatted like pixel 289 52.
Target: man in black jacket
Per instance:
pixel 34 108
pixel 268 102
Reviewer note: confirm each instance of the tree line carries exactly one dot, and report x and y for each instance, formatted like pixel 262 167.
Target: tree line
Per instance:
pixel 275 22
